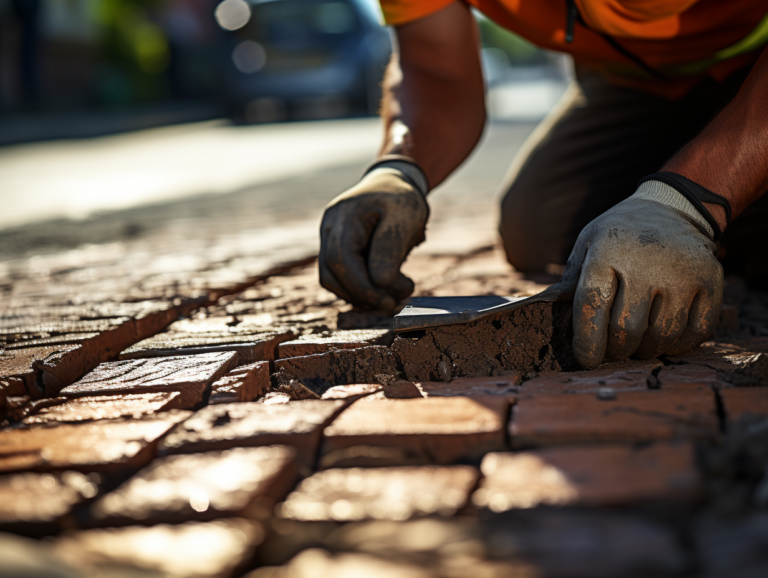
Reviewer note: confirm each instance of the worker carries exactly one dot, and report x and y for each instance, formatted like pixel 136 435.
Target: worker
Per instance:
pixel 634 182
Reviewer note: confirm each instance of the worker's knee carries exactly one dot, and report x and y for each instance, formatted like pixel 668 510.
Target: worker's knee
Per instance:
pixel 532 238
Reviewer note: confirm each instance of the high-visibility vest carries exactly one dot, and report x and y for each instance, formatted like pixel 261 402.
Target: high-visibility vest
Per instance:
pixel 661 46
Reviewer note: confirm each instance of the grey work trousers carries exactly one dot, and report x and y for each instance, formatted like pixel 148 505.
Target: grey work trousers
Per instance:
pixel 589 154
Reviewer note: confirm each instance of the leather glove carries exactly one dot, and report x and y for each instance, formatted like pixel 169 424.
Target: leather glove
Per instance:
pixel 645 279
pixel 367 232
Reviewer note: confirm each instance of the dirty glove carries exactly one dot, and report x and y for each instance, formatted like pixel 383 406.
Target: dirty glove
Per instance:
pixel 368 231
pixel 645 277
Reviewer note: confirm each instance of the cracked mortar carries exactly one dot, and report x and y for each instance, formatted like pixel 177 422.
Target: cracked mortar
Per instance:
pixel 526 341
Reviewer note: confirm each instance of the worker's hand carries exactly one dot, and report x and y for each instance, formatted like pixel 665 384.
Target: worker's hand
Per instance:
pixel 645 277
pixel 365 236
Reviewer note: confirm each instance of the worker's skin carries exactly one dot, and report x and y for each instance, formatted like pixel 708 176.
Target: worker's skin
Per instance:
pixel 434 113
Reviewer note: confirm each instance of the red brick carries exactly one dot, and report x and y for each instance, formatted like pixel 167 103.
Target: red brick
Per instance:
pixel 99 407
pixel 631 416
pixel 192 336
pixel 298 424
pixel 17 365
pixel 191 375
pixel 315 562
pixel 244 383
pixel 274 397
pixel 397 493
pixel 415 431
pixel 672 376
pixel 351 391
pixel 745 402
pixel 398 389
pixel 65 366
pixel 316 343
pixel 609 475
pixel 33 329
pixel 34 503
pixel 200 486
pixel 741 363
pixel 193 550
pixel 626 375
pixel 506 386
pixel 97 446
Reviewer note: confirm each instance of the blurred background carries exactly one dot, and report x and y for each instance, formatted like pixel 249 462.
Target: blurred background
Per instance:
pixel 110 105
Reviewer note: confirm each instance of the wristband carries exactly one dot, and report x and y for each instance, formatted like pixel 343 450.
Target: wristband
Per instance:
pixel 408 169
pixel 696 195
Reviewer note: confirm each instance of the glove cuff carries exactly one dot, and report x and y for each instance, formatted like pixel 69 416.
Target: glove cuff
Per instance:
pixel 664 194
pixel 408 170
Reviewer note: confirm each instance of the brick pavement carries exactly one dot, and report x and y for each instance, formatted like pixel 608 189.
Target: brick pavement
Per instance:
pixel 213 412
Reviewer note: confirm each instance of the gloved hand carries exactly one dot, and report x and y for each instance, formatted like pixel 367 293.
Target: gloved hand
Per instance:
pixel 367 232
pixel 645 278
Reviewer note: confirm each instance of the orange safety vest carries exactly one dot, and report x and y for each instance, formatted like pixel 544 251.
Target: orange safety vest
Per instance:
pixel 661 46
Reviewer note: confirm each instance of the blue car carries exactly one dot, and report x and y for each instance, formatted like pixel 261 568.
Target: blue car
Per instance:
pixel 302 59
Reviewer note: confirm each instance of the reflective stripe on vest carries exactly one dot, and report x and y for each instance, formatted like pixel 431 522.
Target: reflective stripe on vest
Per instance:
pixel 754 40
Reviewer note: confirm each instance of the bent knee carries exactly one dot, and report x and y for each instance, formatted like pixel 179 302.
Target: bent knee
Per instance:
pixel 532 238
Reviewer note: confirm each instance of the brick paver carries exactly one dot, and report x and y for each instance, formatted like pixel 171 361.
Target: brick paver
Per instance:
pixel 415 431
pixel 216 427
pixel 191 550
pixel 31 502
pixel 626 416
pixel 609 494
pixel 351 391
pixel 745 402
pixel 587 476
pixel 244 383
pixel 18 365
pixel 253 342
pixel 396 493
pixel 200 486
pixel 672 376
pixel 472 387
pixel 103 446
pixel 627 375
pixel 741 363
pixel 100 407
pixel 315 343
pixel 191 375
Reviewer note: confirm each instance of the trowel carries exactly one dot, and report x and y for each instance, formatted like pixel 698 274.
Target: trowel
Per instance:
pixel 426 312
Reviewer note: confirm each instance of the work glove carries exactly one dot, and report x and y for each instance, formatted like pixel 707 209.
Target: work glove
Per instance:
pixel 645 279
pixel 367 232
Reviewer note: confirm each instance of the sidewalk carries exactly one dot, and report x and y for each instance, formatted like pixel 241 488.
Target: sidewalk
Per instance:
pixel 217 396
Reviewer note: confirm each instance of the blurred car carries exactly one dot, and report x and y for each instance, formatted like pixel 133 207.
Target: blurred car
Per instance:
pixel 302 59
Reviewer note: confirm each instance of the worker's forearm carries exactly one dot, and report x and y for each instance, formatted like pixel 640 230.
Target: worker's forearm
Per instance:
pixel 730 157
pixel 434 98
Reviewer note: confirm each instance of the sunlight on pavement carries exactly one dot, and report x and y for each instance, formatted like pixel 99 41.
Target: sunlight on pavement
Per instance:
pixel 75 178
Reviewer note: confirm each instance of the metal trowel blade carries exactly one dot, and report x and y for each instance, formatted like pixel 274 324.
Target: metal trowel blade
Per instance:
pixel 425 312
